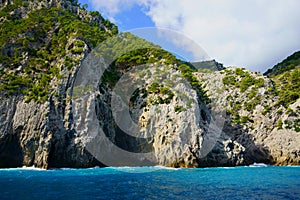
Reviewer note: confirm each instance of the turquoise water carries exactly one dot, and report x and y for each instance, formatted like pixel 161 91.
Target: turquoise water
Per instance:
pixel 152 183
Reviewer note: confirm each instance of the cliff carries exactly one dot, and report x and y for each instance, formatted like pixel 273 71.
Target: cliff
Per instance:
pixel 74 93
pixel 258 118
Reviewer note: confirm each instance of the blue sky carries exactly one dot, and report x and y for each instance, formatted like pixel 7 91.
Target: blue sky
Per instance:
pixel 255 34
pixel 131 18
pixel 137 22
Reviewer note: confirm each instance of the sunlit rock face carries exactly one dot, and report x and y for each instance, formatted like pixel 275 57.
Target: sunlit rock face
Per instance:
pixel 129 103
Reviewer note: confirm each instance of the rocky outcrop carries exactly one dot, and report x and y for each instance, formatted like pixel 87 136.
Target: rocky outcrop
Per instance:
pixel 35 132
pixel 170 127
pixel 98 113
pixel 80 132
pixel 23 8
pixel 153 124
pixel 253 119
pixel 212 65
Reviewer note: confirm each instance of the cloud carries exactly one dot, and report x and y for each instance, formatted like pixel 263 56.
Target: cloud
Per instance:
pixel 252 33
pixel 112 7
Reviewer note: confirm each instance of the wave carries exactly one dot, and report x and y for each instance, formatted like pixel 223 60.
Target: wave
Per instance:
pixel 167 168
pixel 258 165
pixel 23 168
pixel 143 169
pixel 32 168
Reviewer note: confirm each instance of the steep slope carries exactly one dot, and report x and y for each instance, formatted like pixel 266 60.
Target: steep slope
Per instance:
pixel 291 62
pixel 76 94
pixel 42 45
pixel 58 93
pixel 257 115
pixel 286 78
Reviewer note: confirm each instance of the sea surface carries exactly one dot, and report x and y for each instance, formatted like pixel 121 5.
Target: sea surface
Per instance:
pixel 253 182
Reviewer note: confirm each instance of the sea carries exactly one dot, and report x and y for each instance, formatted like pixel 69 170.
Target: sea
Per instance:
pixel 257 181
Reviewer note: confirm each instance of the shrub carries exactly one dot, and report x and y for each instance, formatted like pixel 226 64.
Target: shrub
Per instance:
pixel 39 23
pixel 252 93
pixel 246 82
pixel 288 87
pixel 229 80
pixel 259 82
pixel 236 118
pixel 154 88
pixel 239 72
pixel 245 119
pixel 297 125
pixel 266 110
pixel 279 124
pixel 179 109
pixel 77 50
pixel 288 124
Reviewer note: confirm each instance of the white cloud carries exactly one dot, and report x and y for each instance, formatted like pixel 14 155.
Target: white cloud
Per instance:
pixel 250 33
pixel 112 7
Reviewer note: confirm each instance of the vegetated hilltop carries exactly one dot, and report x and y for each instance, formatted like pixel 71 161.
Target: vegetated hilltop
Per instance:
pixel 291 62
pixel 45 40
pixel 75 93
pixel 263 113
pixel 47 68
pixel 42 46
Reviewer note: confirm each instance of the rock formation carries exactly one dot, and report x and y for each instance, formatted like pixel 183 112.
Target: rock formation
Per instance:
pixel 65 103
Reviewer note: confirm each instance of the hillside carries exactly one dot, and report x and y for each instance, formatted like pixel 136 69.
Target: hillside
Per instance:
pixel 76 93
pixel 286 78
pixel 290 63
pixel 41 41
pixel 258 115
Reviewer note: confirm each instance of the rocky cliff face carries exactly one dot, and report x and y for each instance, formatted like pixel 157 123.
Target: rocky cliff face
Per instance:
pixel 267 130
pixel 38 130
pixel 65 103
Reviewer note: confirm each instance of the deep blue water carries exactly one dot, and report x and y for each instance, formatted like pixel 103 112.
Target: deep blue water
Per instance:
pixel 152 183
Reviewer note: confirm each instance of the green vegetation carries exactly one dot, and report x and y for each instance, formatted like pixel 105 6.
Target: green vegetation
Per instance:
pixel 245 119
pixel 229 80
pixel 51 34
pixel 128 51
pixel 187 72
pixel 288 87
pixel 287 64
pixel 166 95
pixel 297 125
pixel 279 124
pixel 246 83
pixel 14 83
pixel 42 37
pixel 252 103
pixel 239 78
pixel 205 70
pixel 266 110
pixel 286 78
pixel 179 109
pixel 236 118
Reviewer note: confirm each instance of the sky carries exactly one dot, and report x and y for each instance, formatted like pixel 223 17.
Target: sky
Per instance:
pixel 255 34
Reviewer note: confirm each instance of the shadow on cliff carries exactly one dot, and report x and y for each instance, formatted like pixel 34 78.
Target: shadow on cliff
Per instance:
pixel 253 153
pixel 64 152
pixel 11 153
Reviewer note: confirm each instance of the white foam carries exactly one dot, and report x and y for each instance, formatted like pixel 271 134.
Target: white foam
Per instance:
pixel 32 168
pixel 258 165
pixel 167 168
pixel 23 168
